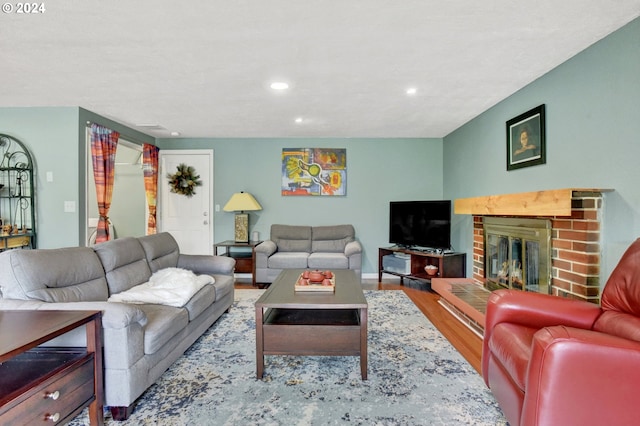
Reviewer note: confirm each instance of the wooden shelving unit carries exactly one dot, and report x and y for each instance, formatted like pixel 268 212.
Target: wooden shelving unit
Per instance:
pixel 450 265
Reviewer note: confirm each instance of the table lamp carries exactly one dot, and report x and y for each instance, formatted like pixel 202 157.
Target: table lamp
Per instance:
pixel 241 202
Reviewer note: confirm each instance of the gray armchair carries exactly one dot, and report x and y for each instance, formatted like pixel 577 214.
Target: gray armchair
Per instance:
pixel 307 247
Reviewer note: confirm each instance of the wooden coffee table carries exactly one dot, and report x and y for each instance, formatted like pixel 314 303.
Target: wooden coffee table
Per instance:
pixel 312 323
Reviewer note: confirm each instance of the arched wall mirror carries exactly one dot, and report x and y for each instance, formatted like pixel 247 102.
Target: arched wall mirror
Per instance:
pixel 128 211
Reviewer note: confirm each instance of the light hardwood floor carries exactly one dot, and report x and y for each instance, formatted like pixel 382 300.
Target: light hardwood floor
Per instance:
pixel 466 342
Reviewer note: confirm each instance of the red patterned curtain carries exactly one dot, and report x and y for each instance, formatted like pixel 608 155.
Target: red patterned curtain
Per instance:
pixel 103 152
pixel 150 169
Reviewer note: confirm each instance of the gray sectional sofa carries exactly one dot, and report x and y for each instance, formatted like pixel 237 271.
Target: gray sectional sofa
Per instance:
pixel 140 340
pixel 307 247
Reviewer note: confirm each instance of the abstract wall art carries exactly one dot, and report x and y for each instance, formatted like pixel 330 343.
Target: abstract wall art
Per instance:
pixel 314 171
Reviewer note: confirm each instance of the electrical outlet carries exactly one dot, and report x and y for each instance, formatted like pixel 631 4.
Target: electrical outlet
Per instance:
pixel 69 206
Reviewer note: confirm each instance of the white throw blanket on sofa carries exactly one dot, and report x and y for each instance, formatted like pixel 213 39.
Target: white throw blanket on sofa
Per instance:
pixel 169 286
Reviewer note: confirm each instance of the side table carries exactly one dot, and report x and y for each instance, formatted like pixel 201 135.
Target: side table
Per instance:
pixel 245 259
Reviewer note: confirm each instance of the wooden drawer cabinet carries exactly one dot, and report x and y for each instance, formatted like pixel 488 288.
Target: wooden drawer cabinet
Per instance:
pixel 48 385
pixel 244 265
pixel 450 265
pixel 57 398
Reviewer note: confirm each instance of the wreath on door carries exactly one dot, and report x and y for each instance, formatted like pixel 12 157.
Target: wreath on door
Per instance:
pixel 184 181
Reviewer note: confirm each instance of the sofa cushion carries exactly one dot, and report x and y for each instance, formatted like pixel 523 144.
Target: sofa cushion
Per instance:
pixel 224 285
pixel 201 301
pixel 124 262
pixel 510 344
pixel 161 250
pixel 328 261
pixel 331 239
pixel 46 275
pixel 290 238
pixel 163 323
pixel 288 260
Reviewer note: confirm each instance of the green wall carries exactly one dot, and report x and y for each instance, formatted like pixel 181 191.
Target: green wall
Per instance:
pixel 378 171
pixel 593 140
pixel 56 138
pixel 51 134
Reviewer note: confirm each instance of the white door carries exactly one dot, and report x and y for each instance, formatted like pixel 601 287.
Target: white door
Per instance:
pixel 188 219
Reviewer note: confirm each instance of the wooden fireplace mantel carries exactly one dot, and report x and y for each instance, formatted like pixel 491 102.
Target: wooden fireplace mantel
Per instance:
pixel 554 202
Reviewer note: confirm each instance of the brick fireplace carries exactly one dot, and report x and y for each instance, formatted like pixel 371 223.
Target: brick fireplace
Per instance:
pixel 575 216
pixel 517 253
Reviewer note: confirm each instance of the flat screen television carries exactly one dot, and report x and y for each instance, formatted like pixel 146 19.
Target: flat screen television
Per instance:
pixel 420 224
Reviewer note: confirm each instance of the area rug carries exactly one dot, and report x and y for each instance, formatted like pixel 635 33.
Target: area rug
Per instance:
pixel 415 377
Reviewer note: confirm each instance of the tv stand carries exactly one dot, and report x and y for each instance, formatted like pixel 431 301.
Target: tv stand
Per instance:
pixel 450 264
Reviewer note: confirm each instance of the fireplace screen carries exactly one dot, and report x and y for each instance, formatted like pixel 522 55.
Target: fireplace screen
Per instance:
pixel 517 253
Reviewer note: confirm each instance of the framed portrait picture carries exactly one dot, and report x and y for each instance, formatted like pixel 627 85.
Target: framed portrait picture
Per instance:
pixel 526 139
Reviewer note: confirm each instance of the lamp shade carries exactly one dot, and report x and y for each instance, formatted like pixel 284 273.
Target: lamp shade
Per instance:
pixel 242 201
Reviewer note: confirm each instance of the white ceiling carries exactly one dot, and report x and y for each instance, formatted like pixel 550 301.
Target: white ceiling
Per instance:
pixel 203 68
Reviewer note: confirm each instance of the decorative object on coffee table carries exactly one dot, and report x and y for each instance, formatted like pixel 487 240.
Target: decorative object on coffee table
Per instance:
pixel 316 281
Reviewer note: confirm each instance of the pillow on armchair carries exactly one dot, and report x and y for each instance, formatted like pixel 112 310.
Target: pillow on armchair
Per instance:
pixel 331 239
pixel 291 238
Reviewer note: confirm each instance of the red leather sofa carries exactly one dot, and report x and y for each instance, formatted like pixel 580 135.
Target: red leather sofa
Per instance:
pixel 555 361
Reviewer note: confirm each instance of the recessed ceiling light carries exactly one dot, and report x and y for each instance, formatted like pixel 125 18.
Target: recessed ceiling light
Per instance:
pixel 412 91
pixel 279 85
pixel 299 120
pixel 175 133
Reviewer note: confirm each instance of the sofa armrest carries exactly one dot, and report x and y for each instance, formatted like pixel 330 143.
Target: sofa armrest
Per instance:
pixel 352 247
pixel 263 251
pixel 572 367
pixel 114 315
pixel 538 310
pixel 533 310
pixel 266 248
pixel 206 264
